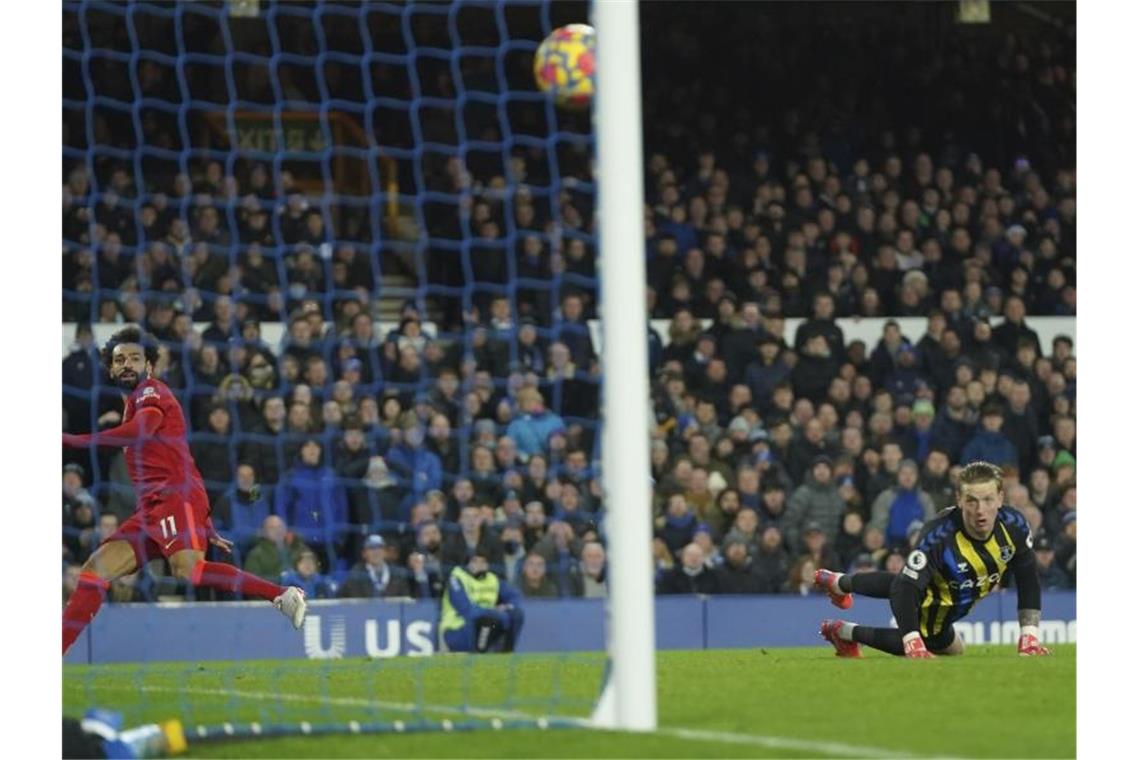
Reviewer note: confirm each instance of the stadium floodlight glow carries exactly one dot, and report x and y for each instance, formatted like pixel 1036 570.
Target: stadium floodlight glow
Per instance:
pixel 629 700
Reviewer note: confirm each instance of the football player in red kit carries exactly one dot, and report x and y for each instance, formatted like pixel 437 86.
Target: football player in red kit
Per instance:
pixel 172 519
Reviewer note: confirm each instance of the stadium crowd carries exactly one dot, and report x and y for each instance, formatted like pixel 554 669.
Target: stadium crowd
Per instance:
pixel 365 464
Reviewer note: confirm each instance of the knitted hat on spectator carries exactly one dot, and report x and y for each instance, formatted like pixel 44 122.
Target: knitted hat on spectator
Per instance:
pixel 923 407
pixel 717 482
pixel 739 425
pixel 734 539
pixel 1063 458
pixel 757 434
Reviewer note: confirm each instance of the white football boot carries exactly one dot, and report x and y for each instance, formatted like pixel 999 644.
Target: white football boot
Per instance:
pixel 292 605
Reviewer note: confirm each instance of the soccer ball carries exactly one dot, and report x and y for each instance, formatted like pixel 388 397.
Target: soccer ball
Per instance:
pixel 564 65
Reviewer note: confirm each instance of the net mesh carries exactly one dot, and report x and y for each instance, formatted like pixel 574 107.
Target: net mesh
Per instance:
pixel 327 203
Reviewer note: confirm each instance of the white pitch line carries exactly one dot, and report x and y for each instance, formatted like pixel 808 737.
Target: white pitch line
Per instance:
pixel 841 749
pixel 783 742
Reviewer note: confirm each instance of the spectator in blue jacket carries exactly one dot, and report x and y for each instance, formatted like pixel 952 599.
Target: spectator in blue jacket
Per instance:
pixel 534 425
pixel 767 371
pixel 904 379
pixel 916 440
pixel 896 508
pixel 574 332
pixel 306 576
pixel 242 509
pixel 989 445
pixel 418 468
pixel 311 499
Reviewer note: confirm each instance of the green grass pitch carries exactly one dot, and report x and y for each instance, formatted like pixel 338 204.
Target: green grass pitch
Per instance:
pixel 726 703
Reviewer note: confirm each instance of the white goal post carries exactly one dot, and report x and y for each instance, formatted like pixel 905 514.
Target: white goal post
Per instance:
pixel 630 698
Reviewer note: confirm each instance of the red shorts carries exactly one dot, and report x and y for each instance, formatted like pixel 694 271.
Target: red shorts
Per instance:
pixel 166 524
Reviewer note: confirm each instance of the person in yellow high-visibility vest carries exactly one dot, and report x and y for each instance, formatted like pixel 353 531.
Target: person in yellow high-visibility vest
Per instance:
pixel 479 610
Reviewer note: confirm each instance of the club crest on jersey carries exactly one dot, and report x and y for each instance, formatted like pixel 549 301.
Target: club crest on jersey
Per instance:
pixel 147 392
pixel 916 560
pixel 1006 553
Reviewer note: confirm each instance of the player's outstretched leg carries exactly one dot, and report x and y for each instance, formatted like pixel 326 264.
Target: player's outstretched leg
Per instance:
pixel 111 560
pixel 875 584
pixel 828 581
pixel 85 601
pixel 190 565
pixel 846 638
pixel 844 647
pixel 840 586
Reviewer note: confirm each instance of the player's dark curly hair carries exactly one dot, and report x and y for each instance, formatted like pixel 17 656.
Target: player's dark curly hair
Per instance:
pixel 130 334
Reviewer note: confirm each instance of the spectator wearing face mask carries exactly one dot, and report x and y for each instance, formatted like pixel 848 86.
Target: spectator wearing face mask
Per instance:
pixel 514 552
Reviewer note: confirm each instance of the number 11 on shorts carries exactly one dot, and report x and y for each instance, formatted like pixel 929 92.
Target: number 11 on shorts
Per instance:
pixel 168 532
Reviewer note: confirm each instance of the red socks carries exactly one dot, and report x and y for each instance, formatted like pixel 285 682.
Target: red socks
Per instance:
pixel 82 606
pixel 223 577
pixel 91 589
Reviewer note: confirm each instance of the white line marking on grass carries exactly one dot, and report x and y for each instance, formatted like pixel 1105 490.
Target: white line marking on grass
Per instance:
pixel 840 749
pixel 783 742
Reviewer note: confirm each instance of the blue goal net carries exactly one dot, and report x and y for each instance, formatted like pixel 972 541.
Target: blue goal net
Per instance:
pixel 357 229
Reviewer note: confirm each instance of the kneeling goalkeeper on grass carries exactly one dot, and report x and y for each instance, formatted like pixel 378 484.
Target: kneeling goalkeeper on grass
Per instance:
pixel 960 558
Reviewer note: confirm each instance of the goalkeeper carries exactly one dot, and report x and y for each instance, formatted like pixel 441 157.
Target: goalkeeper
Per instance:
pixel 479 612
pixel 961 557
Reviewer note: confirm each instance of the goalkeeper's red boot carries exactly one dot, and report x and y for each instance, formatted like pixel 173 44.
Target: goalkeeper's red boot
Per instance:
pixel 829 629
pixel 826 580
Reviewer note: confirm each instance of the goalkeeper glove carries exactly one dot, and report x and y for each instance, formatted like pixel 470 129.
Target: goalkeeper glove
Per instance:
pixel 1029 645
pixel 914 648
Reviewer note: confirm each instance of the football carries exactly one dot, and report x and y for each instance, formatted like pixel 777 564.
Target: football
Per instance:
pixel 564 65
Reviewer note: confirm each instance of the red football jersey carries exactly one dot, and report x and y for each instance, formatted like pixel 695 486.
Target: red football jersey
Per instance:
pixel 163 461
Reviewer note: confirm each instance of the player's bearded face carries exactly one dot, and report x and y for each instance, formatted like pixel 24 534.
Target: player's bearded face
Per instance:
pixel 128 366
pixel 979 503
